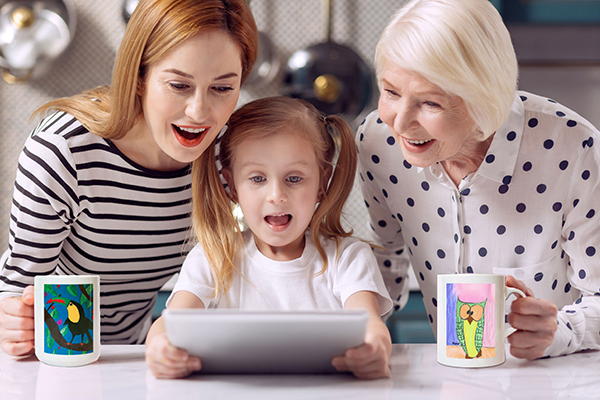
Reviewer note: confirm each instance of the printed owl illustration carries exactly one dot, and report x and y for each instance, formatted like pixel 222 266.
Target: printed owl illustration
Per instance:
pixel 470 320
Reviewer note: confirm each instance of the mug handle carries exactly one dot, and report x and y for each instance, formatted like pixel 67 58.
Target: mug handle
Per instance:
pixel 511 290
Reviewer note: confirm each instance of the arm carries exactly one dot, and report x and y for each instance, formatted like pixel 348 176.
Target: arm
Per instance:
pixel 163 359
pixel 44 204
pixel 369 361
pixel 542 329
pixel 385 230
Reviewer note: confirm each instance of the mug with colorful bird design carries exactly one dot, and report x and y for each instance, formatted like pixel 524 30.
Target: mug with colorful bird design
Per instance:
pixel 471 313
pixel 67 319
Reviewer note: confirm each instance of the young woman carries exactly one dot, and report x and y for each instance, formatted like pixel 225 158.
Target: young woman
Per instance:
pixel 291 171
pixel 103 183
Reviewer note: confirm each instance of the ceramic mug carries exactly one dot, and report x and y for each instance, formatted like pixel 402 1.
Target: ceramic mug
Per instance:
pixel 471 330
pixel 67 319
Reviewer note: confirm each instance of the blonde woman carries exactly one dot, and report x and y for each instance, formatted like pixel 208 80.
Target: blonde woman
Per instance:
pixel 462 173
pixel 103 183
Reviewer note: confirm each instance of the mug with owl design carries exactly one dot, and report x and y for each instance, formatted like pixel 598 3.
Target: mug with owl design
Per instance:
pixel 471 330
pixel 67 319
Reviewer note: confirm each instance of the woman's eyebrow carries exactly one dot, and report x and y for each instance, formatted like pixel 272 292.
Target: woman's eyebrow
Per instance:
pixel 186 75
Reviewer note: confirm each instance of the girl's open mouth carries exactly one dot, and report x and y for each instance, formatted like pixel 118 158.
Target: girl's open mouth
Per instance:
pixel 278 222
pixel 189 137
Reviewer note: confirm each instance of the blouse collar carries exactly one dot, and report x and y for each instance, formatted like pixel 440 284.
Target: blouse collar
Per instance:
pixel 501 158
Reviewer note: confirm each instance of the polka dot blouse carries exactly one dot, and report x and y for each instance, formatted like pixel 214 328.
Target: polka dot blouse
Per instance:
pixel 531 210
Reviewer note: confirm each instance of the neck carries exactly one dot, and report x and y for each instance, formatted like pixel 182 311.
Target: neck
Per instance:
pixel 289 252
pixel 467 160
pixel 140 147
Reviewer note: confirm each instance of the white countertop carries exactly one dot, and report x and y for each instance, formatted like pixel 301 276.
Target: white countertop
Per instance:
pixel 121 373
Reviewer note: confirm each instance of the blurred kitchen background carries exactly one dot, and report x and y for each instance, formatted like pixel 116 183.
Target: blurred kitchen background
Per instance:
pixel 557 42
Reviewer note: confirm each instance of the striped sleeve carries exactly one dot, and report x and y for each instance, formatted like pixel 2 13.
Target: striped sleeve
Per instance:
pixel 44 205
pixel 81 207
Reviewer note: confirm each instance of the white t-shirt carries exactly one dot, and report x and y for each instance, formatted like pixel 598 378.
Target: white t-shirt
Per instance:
pixel 531 210
pixel 289 285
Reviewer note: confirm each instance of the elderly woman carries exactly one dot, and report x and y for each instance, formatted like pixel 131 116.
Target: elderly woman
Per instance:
pixel 461 173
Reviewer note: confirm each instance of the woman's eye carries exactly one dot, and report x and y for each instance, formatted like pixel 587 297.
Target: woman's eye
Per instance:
pixel 179 86
pixel 391 92
pixel 432 104
pixel 257 179
pixel 222 89
pixel 294 179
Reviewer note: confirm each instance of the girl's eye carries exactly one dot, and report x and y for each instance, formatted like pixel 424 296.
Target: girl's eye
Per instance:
pixel 257 179
pixel 294 179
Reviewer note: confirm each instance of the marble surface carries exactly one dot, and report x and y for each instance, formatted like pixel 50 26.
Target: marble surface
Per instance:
pixel 121 373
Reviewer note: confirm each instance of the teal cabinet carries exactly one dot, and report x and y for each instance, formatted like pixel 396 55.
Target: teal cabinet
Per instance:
pixel 411 324
pixel 560 12
pixel 160 305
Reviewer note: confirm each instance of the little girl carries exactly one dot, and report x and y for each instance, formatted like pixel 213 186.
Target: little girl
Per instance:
pixel 291 171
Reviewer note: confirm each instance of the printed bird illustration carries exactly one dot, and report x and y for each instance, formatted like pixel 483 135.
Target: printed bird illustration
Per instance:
pixel 77 322
pixel 469 327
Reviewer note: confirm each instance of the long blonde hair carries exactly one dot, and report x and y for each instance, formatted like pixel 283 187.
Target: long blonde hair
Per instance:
pixel 214 224
pixel 155 28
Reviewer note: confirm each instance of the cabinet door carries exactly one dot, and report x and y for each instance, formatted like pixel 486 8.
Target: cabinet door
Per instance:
pixel 549 11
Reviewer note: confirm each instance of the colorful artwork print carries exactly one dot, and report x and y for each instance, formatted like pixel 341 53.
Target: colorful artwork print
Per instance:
pixel 470 322
pixel 68 319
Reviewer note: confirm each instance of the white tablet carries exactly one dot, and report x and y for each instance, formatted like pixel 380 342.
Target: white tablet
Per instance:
pixel 237 341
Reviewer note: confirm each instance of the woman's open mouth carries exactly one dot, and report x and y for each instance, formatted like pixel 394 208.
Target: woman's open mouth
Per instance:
pixel 417 146
pixel 278 222
pixel 189 137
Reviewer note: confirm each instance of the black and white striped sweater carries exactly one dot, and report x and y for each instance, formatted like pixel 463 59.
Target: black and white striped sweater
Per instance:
pixel 81 207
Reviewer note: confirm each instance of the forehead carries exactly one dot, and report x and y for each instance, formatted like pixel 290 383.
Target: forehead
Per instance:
pixel 398 76
pixel 279 147
pixel 210 47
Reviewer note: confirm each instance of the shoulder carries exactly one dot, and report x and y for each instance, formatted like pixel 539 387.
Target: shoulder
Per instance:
pixel 556 122
pixel 346 248
pixel 373 132
pixel 64 131
pixel 60 123
pixel 196 255
pixel 375 141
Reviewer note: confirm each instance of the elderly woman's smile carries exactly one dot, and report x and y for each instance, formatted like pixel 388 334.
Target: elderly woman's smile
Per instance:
pixel 429 124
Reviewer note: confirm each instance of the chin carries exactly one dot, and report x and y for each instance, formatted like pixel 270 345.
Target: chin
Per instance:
pixel 418 162
pixel 187 157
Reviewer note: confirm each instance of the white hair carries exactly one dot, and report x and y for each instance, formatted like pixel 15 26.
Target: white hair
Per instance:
pixel 463 47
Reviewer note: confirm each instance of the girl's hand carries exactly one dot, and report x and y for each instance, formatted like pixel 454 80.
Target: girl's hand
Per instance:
pixel 167 361
pixel 535 321
pixel 369 361
pixel 16 324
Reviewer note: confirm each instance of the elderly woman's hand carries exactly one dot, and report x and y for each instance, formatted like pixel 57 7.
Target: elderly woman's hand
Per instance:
pixel 535 321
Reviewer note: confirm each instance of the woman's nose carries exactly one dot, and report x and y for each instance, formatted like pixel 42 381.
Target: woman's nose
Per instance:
pixel 404 119
pixel 196 108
